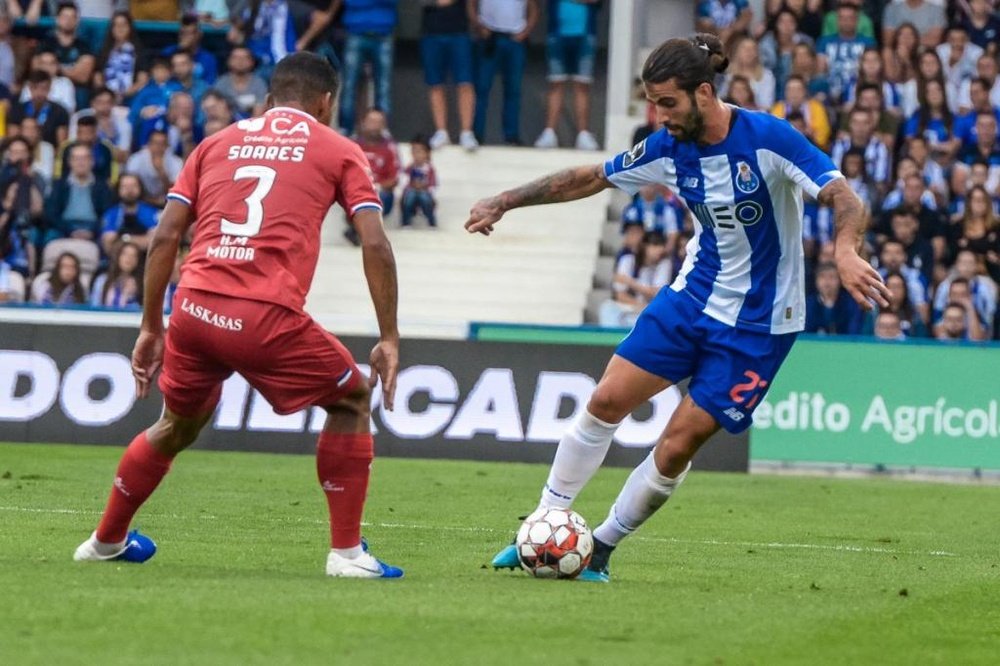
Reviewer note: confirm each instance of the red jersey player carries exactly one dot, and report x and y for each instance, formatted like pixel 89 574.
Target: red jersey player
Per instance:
pixel 257 193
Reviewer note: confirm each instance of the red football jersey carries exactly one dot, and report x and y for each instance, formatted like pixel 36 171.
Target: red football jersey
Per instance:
pixel 259 190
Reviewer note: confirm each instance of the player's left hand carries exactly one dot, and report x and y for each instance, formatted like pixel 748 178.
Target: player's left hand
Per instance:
pixel 147 356
pixel 384 362
pixel 862 281
pixel 483 215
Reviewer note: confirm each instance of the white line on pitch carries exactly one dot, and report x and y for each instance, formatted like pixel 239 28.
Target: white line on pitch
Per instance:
pixel 468 528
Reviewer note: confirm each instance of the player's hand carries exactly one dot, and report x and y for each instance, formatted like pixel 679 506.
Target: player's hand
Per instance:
pixel 384 362
pixel 862 282
pixel 483 215
pixel 147 356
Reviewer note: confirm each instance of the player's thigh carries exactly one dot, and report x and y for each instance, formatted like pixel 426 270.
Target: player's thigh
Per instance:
pixel 191 377
pixel 736 369
pixel 299 364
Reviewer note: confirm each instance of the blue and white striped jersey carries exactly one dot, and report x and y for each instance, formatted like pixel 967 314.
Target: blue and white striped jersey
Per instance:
pixel 744 265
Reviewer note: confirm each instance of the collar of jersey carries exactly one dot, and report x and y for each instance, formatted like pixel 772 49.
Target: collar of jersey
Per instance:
pixel 288 109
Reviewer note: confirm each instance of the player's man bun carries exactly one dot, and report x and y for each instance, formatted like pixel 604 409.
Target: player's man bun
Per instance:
pixel 691 61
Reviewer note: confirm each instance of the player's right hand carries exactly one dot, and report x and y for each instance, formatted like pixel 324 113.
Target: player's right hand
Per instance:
pixel 862 282
pixel 147 356
pixel 483 215
pixel 384 362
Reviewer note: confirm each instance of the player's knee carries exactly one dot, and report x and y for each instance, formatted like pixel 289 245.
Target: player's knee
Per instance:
pixel 357 403
pixel 172 434
pixel 606 406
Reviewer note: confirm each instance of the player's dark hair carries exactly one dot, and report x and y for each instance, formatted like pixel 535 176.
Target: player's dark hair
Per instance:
pixel 692 61
pixel 303 77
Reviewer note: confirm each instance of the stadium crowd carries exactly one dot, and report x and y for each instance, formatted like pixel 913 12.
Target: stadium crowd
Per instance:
pixel 905 96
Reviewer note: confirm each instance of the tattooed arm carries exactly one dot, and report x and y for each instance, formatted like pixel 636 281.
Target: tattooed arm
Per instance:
pixel 566 185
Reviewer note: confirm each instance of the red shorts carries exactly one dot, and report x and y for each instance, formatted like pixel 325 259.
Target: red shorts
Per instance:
pixel 283 353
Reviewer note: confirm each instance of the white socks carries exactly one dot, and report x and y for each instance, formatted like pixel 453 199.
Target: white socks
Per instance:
pixel 581 451
pixel 645 491
pixel 349 553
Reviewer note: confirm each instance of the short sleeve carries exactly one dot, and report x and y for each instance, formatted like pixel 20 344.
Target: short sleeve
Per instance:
pixel 185 188
pixel 109 221
pixel 802 162
pixel 356 186
pixel 644 164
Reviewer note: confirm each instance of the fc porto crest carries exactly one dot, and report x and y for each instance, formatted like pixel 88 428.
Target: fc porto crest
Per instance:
pixel 747 181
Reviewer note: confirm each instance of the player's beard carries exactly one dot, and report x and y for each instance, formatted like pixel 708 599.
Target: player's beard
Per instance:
pixel 692 127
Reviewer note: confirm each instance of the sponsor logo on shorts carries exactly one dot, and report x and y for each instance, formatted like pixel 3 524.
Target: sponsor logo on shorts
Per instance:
pixel 210 317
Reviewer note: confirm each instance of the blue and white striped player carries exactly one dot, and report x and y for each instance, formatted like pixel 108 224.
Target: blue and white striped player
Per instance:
pixel 731 315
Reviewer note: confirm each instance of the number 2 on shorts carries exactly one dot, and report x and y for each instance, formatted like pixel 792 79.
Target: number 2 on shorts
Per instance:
pixel 255 202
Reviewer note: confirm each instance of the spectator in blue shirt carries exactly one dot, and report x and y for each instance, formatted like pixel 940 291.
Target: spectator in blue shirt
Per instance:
pixel 369 25
pixel 933 119
pixel 982 25
pixel 151 102
pixel 724 18
pixel 118 64
pixel 831 310
pixel 189 35
pixel 131 220
pixel 840 54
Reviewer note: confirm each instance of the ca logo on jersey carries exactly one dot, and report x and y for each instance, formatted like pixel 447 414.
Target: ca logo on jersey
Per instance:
pixel 634 155
pixel 747 181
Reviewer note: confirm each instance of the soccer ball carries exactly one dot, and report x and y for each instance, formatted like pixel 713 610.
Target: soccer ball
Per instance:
pixel 554 543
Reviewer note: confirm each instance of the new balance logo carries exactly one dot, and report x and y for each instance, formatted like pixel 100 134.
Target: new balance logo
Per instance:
pixel 734 414
pixel 690 182
pixel 331 487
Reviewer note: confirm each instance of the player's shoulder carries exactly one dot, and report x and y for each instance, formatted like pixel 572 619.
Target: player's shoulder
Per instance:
pixel 657 145
pixel 766 131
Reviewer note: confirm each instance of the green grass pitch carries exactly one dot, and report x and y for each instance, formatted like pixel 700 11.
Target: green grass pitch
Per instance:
pixel 736 569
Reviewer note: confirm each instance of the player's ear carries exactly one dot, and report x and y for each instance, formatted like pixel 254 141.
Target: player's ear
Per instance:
pixel 269 101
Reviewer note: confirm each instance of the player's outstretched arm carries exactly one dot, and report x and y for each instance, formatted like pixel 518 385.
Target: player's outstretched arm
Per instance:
pixel 148 352
pixel 565 185
pixel 380 272
pixel 859 278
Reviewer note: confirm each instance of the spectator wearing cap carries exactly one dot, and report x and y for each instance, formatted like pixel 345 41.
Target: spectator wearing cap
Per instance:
pixel 724 18
pixel 189 38
pixel 927 17
pixel 118 63
pixel 53 119
pixel 831 310
pixel 840 53
pixel 570 45
pixel 76 60
pixel 795 99
pixel 241 85
pixel 151 102
pixel 104 165
pixel 446 49
pixel 156 167
pixel 131 220
pixel 78 199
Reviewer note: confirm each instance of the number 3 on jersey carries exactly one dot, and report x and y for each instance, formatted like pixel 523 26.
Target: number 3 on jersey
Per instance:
pixel 255 202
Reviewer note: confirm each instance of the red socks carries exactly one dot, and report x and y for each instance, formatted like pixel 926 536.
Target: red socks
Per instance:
pixel 343 462
pixel 141 469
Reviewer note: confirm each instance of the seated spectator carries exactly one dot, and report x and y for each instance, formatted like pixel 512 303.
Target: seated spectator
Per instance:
pixel 183 129
pixel 745 62
pixel 916 201
pixel 76 60
pixel 892 261
pixel 920 254
pixel 61 91
pixel 982 25
pixel 120 288
pixel 917 151
pixel 928 68
pixel 911 323
pixel 189 37
pixel 978 231
pixel 656 209
pixel 724 18
pixel 156 167
pixel 840 53
pixel 383 155
pixel 63 286
pixel 182 69
pixel 866 26
pixel 963 180
pixel 958 61
pixel 741 94
pixel 151 102
pixel 888 326
pixel 871 73
pixel 986 149
pixel 638 278
pixel 853 168
pixel 78 199
pixel 959 322
pixel 11 285
pixel 21 207
pixel 421 184
pixel 905 169
pixel 105 166
pixel 52 118
pixel 933 120
pixel 965 123
pixel 806 65
pixel 216 110
pixel 816 121
pixel 445 47
pixel 131 220
pixel 900 54
pixel 987 69
pixel 928 18
pixel 118 63
pixel 967 283
pixel 572 28
pixel 870 98
pixel 43 153
pixel 861 136
pixel 778 45
pixel 808 15
pixel 113 127
pixel 244 89
pixel 831 310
